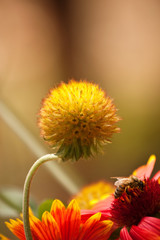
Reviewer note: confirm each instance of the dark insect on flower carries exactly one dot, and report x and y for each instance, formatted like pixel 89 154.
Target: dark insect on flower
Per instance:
pixel 125 184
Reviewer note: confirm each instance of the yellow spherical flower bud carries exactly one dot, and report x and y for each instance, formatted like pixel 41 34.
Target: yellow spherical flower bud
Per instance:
pixel 77 119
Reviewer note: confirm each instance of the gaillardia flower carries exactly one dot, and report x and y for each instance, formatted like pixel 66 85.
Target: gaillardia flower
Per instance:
pixel 77 119
pixel 93 193
pixel 63 224
pixel 136 210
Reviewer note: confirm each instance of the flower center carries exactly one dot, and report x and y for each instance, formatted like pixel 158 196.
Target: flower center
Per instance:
pixel 136 203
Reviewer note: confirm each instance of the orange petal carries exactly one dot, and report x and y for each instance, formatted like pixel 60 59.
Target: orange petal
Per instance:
pixel 72 221
pixel 16 227
pixel 102 231
pixel 51 227
pixel 58 212
pixel 38 229
pixel 89 225
pixel 93 228
pixel 145 170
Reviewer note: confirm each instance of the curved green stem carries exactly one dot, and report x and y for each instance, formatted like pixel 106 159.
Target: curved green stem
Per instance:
pixel 26 192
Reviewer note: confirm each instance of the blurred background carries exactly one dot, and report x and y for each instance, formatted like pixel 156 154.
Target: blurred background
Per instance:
pixel 112 43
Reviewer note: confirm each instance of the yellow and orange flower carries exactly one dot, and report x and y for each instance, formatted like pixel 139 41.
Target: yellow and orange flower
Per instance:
pixel 63 224
pixel 77 119
pixel 136 212
pixel 93 193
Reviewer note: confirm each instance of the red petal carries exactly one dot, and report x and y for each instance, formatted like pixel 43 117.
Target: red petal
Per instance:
pixel 86 214
pixel 105 204
pixel 145 170
pixel 102 206
pixel 157 176
pixel 138 233
pixel 124 235
pixel 150 223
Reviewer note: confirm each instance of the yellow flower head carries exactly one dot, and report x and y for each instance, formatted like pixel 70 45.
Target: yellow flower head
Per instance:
pixel 93 193
pixel 77 119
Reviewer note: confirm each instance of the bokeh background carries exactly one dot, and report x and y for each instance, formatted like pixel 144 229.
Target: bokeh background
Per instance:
pixel 112 43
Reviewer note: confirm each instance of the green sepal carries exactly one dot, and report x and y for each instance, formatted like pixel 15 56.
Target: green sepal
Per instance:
pixel 72 152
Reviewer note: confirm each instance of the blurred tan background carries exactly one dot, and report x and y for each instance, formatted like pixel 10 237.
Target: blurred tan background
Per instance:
pixel 112 43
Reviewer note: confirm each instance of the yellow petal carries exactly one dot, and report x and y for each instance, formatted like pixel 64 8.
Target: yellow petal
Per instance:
pixel 2 237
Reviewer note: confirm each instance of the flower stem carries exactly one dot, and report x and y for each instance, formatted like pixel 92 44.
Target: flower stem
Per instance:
pixel 26 192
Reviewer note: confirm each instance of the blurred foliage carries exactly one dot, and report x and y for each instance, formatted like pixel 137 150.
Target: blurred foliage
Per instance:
pixel 44 206
pixel 11 202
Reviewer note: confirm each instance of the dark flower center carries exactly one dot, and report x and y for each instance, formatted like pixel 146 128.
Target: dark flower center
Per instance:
pixel 136 203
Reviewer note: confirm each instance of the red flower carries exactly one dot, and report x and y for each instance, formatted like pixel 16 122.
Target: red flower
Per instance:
pixel 137 209
pixel 63 224
pixel 147 229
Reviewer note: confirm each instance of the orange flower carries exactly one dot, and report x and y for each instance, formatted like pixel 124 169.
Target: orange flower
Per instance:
pixel 136 208
pixel 63 224
pixel 77 119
